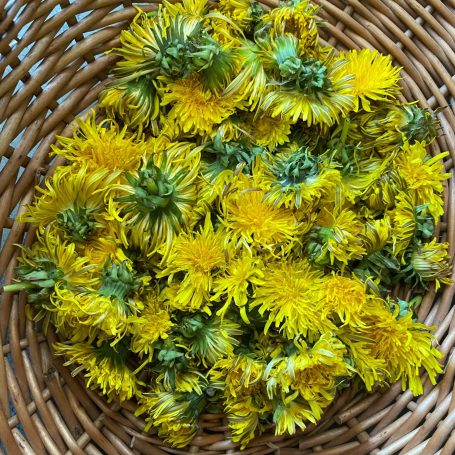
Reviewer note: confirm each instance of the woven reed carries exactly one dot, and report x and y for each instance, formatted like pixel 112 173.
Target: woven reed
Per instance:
pixel 52 68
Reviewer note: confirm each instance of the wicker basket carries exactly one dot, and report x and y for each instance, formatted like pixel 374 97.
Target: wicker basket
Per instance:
pixel 52 68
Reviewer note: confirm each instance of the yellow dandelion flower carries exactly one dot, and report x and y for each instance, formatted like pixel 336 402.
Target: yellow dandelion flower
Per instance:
pixel 102 145
pixel 345 299
pixel 423 176
pixel 376 234
pixel 208 339
pixel 198 256
pixel 255 224
pixel 242 12
pixel 298 179
pixel 229 129
pixel 250 84
pixel 336 237
pixel 315 372
pixel 405 346
pixel 176 411
pixel 428 262
pixel 321 100
pixel 73 200
pixel 107 246
pixel 136 102
pixel 89 311
pixel 194 9
pixel 58 258
pixel 242 375
pixel 290 413
pixel 160 195
pixel 369 177
pixel 222 162
pixel 244 418
pixel 146 44
pixel 153 323
pixel 105 307
pixel 50 262
pixel 105 368
pixel 381 194
pixel 298 18
pixel 177 434
pixel 268 131
pixel 195 109
pixel 371 370
pixel 375 77
pixel 404 223
pixel 174 44
pixel 234 286
pixel 387 128
pixel 291 297
pixel 182 381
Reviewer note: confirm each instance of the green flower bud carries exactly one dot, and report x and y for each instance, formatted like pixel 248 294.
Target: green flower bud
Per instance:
pixel 118 281
pixel 77 222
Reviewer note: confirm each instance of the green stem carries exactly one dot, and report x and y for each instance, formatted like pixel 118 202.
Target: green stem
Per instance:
pixel 17 287
pixel 345 130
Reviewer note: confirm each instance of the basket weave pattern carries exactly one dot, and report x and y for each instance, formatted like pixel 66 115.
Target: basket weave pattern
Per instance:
pixel 52 68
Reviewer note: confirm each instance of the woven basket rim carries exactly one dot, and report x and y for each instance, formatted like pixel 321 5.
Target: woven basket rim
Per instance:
pixel 52 68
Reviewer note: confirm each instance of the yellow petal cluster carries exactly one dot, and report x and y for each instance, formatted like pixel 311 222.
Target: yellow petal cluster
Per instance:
pixel 228 232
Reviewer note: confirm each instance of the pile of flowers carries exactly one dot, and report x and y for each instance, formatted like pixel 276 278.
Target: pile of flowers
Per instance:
pixel 226 234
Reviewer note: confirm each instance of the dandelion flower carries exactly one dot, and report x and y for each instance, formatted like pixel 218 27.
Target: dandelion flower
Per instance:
pixel 375 77
pixel 268 131
pixel 299 179
pixel 345 299
pixel 73 200
pixel 197 256
pixel 102 145
pixel 315 372
pixel 209 339
pixel 244 418
pixel 195 109
pixel 385 186
pixel 408 221
pixel 160 195
pixel 135 102
pixel 309 90
pixel 89 312
pixel 104 307
pixel 153 323
pixel 254 223
pixel 387 128
pixel 404 345
pixel 49 263
pixel 427 262
pixel 194 9
pixel 244 13
pixel 106 247
pixel 241 373
pixel 291 413
pixel 154 46
pixel 298 18
pixel 105 368
pixel 371 370
pixel 376 234
pixel 174 413
pixel 424 176
pixel 336 237
pixel 292 300
pixel 242 273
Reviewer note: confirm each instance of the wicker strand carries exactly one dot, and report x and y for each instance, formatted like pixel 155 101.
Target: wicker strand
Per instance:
pixel 52 67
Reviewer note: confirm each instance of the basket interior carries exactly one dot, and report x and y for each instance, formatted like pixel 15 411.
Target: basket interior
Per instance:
pixel 52 68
